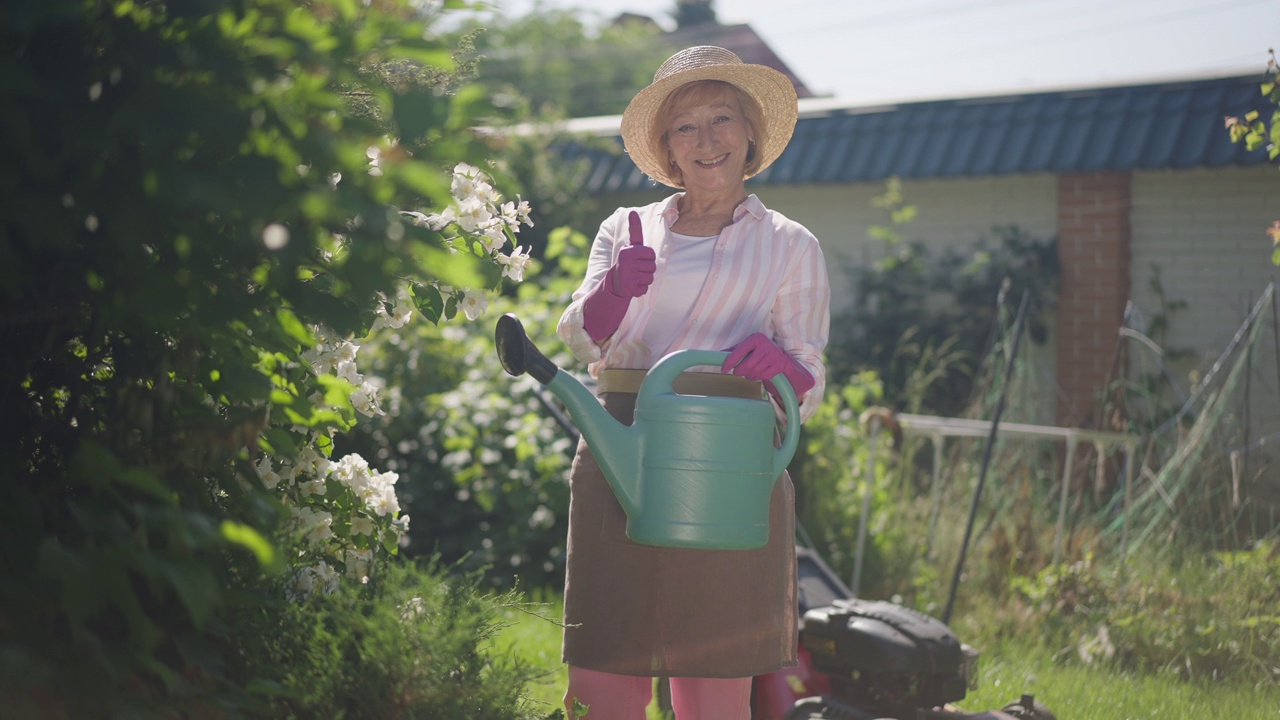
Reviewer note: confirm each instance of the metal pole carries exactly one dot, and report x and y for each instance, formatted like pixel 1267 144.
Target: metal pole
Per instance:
pixel 1062 504
pixel 935 492
pixel 868 486
pixel 986 455
pixel 1130 451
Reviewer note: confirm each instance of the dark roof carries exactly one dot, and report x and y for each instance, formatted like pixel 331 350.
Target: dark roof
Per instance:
pixel 1170 125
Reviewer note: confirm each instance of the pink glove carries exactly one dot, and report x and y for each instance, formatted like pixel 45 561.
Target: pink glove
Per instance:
pixel 629 277
pixel 758 358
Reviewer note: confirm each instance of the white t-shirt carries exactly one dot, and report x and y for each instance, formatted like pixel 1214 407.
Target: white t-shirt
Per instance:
pixel 687 268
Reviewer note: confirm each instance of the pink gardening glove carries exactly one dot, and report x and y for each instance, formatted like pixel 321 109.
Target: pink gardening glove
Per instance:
pixel 629 277
pixel 758 358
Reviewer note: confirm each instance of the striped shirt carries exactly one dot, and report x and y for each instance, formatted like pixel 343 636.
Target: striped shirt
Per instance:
pixel 767 275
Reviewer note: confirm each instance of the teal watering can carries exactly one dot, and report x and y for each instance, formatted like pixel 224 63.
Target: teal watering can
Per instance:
pixel 690 471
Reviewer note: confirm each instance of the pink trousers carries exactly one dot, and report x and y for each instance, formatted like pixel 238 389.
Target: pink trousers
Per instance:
pixel 625 697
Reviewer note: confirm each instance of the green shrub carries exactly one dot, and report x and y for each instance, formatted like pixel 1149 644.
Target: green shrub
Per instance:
pixel 415 642
pixel 925 324
pixel 194 198
pixel 1207 617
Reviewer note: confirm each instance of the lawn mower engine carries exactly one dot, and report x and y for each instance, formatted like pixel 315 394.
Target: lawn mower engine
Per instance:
pixel 883 660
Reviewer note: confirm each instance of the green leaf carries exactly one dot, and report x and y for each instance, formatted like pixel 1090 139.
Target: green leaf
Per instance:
pixel 294 327
pixel 278 442
pixel 428 300
pixel 390 541
pixel 253 541
pixel 147 483
pixel 457 269
pixel 191 580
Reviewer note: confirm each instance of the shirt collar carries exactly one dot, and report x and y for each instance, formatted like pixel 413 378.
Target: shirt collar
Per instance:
pixel 671 208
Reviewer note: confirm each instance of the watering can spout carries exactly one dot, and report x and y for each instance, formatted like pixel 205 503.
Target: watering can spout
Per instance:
pixel 614 445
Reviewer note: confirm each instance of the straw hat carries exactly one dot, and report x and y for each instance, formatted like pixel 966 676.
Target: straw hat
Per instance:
pixel 772 91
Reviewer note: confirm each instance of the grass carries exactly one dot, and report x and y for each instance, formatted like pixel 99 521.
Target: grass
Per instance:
pixel 1078 692
pixel 536 640
pixel 531 634
pixel 1072 692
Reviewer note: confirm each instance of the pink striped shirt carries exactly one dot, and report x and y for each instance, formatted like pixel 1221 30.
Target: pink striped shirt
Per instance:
pixel 767 275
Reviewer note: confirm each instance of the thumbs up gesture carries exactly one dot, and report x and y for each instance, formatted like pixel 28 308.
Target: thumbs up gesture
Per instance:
pixel 632 274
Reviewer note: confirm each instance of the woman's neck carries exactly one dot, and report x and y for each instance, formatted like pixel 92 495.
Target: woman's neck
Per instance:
pixel 704 215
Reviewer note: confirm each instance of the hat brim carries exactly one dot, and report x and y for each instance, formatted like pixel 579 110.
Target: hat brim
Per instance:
pixel 770 89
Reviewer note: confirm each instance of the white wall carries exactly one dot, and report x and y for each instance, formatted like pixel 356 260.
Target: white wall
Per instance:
pixel 1205 230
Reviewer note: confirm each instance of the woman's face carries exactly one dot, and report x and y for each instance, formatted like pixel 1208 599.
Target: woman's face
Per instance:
pixel 709 143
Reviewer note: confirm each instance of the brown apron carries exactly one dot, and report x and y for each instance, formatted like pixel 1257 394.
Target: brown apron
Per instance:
pixel 636 609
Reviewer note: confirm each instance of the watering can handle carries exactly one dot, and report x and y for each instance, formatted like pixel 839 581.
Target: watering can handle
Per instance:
pixel 662 376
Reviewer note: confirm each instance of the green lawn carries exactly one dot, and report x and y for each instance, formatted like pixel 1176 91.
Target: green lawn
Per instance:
pixel 1075 692
pixel 1072 692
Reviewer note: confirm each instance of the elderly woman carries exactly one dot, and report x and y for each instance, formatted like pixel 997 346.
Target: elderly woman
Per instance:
pixel 708 268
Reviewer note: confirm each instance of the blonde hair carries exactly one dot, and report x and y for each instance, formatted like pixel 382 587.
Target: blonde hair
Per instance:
pixel 705 92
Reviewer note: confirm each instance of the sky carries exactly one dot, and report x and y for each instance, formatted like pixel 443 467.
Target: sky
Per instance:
pixel 867 53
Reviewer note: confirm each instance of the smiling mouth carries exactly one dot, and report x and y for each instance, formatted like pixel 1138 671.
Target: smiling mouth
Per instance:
pixel 713 162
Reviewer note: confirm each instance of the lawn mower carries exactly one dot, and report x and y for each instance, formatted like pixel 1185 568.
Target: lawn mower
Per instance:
pixel 872 660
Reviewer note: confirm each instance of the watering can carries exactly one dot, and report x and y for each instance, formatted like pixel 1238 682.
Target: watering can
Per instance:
pixel 690 471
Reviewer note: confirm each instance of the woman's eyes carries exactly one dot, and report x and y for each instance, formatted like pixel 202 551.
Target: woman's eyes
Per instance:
pixel 690 127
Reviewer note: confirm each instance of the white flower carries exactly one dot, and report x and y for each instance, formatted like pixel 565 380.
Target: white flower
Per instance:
pixel 513 265
pixel 385 502
pixel 270 478
pixel 321 357
pixel 485 193
pixel 361 525
pixel 303 583
pixel 398 316
pixel 365 400
pixel 442 220
pixel 472 213
pixel 514 215
pixel 359 562
pixel 412 609
pixel 345 351
pixel 465 178
pixel 523 211
pixel 312 487
pixel 317 524
pixel 401 524
pixel 473 304
pixel 352 471
pixel 312 462
pixel 494 237
pixel 347 371
pixel 325 577
pixel 374 153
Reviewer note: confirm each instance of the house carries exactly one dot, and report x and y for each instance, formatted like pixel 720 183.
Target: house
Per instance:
pixel 1150 202
pixel 696 24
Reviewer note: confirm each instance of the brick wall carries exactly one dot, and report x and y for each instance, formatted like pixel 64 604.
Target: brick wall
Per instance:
pixel 1094 250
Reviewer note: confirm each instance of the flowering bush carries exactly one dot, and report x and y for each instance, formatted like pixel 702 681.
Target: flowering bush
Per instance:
pixel 344 514
pixel 482 461
pixel 203 218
